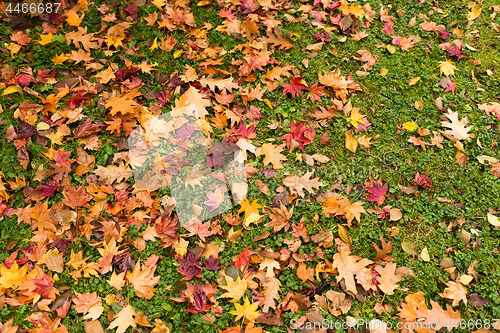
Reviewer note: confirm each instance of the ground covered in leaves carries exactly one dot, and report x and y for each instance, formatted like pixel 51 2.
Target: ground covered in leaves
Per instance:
pixel 363 133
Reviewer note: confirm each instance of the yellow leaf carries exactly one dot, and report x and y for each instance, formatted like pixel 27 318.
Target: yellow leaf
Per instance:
pixel 158 3
pixel 384 71
pixel 10 90
pixel 413 81
pixel 410 126
pixel 419 105
pixel 249 208
pixel 296 34
pixel 234 289
pixel 351 143
pixel 447 67
pixel 474 13
pixel 391 49
pixel 247 310
pixel 45 39
pixel 154 46
pixel 59 59
pixel 13 47
pixel 105 76
pixel 177 54
pixel 12 277
pixel 268 103
pixel 73 19
pixel 355 118
pixel 204 3
pixel 252 219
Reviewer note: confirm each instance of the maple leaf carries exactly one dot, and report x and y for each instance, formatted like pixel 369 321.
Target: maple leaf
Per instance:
pixel 456 50
pixel 273 155
pixel 85 302
pixel 124 319
pixel 377 192
pixel 247 310
pixel 300 135
pixel 388 278
pixel 447 67
pixel 235 289
pixel 75 197
pixel 326 113
pixel 215 199
pixel 299 184
pixel 305 273
pixel 280 218
pixel 438 318
pixel 190 266
pixel 455 291
pixel 196 227
pixel 294 87
pixel 249 208
pixel 423 180
pixel 122 104
pixel 117 280
pixel 414 302
pixel 271 293
pixel 243 258
pixel 315 92
pixel 12 277
pixel 143 280
pixel 457 130
pixel 212 264
pixel 348 266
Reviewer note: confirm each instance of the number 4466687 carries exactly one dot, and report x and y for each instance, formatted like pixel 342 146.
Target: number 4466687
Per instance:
pixel 33 8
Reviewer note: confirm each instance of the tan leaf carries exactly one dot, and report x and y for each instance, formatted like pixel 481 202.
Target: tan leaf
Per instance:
pixel 271 293
pixel 299 184
pixel 455 291
pixel 93 326
pixel 348 267
pixel 457 130
pixel 55 262
pixel 123 319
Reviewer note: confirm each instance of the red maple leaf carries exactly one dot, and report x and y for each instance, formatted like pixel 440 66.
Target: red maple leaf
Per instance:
pixel 301 135
pixel 48 188
pixel 87 128
pixel 243 258
pixel 25 79
pixel 132 9
pixel 456 50
pixel 294 87
pixel 215 199
pixel 388 28
pixel 245 132
pixel 423 180
pixel 451 87
pixel 377 192
pixel 190 266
